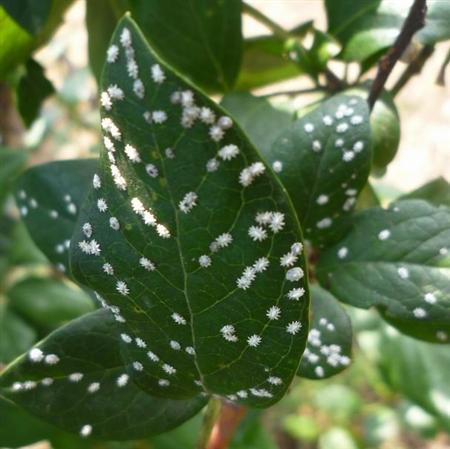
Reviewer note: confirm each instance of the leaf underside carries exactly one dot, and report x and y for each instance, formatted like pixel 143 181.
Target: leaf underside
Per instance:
pixel 329 347
pixel 87 389
pixel 49 198
pixel 182 236
pixel 398 261
pixel 324 160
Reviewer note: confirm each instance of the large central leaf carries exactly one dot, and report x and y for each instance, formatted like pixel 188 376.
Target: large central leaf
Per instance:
pixel 190 239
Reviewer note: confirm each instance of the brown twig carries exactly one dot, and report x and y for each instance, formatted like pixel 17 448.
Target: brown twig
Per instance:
pixel 413 68
pixel 230 416
pixel 414 22
pixel 11 126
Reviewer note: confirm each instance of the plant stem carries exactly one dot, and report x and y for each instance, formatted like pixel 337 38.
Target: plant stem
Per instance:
pixel 414 22
pixel 220 422
pixel 413 68
pixel 11 126
pixel 268 22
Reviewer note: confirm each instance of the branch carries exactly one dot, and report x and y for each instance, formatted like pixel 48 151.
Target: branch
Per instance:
pixel 11 126
pixel 414 22
pixel 413 68
pixel 221 421
pixel 261 18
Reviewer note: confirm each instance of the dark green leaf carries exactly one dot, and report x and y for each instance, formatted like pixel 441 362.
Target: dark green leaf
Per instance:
pixel 200 38
pixel 323 160
pixel 437 25
pixel 329 347
pixel 170 237
pixel 48 303
pixel 384 127
pixel 265 59
pixel 261 119
pixel 396 260
pixel 29 14
pixel 16 43
pixel 418 370
pixel 12 162
pixel 32 90
pixel 436 192
pixel 101 20
pixel 49 197
pixel 16 336
pixel 76 378
pixel 14 418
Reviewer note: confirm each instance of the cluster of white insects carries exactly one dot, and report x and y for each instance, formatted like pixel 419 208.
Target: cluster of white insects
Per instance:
pixel 266 223
pixel 320 354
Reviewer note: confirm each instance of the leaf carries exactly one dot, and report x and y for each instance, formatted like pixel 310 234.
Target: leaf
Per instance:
pixel 48 303
pixel 16 43
pixel 329 347
pixel 80 364
pixel 368 26
pixel 436 192
pixel 260 118
pixel 200 38
pixel 28 14
pixel 396 260
pixel 177 283
pixel 16 336
pixel 418 370
pixel 265 59
pixel 101 20
pixel 32 90
pixel 384 127
pixel 323 160
pixel 12 163
pixel 49 197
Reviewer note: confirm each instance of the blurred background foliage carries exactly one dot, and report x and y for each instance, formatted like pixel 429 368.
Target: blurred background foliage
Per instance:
pixel 396 394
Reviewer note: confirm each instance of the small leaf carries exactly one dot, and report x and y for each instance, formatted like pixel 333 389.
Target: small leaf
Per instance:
pixel 329 347
pixel 80 364
pixel 182 235
pixel 16 336
pixel 384 127
pixel 203 40
pixel 418 370
pixel 29 14
pixel 32 90
pixel 49 197
pixel 396 260
pixel 12 162
pixel 323 160
pixel 262 119
pixel 436 192
pixel 48 303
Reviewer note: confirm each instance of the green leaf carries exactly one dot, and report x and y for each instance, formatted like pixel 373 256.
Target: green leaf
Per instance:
pixel 200 38
pixel 49 197
pixel 16 336
pixel 12 163
pixel 101 20
pixel 262 119
pixel 436 192
pixel 48 303
pixel 32 90
pixel 418 370
pixel 80 364
pixel 384 127
pixel 396 260
pixel 329 347
pixel 30 15
pixel 367 27
pixel 16 43
pixel 323 160
pixel 164 238
pixel 265 59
